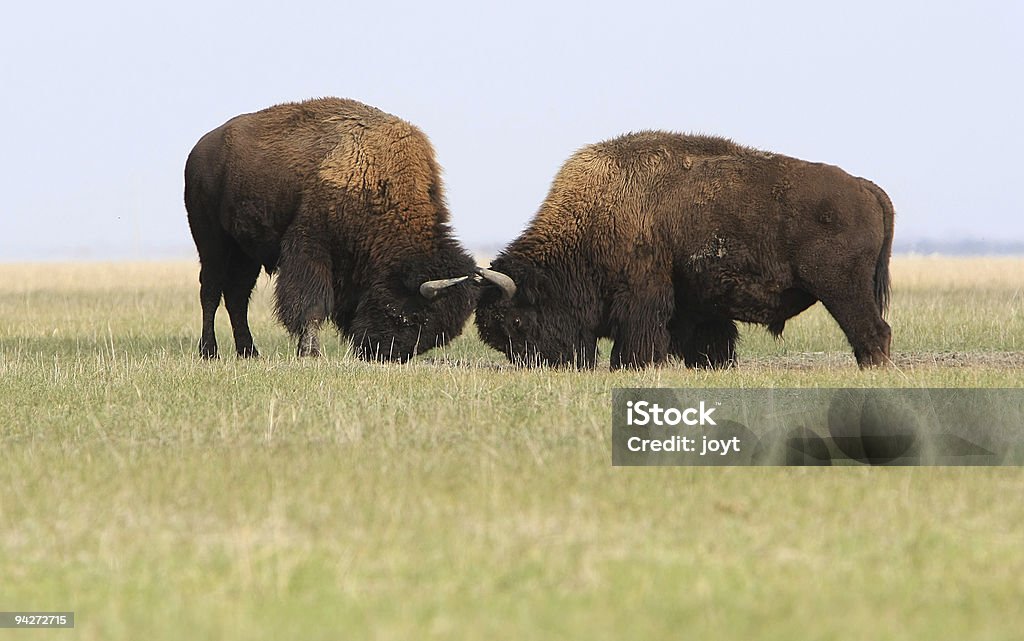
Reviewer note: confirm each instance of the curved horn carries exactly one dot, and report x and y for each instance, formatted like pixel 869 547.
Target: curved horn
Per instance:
pixel 432 288
pixel 505 283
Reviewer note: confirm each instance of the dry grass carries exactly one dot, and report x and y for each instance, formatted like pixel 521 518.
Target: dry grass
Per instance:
pixel 937 273
pixel 908 272
pixel 160 496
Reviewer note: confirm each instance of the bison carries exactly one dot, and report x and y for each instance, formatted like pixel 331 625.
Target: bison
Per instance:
pixel 345 203
pixel 662 241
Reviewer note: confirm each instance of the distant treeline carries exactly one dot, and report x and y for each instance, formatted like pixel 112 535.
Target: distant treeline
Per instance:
pixel 966 247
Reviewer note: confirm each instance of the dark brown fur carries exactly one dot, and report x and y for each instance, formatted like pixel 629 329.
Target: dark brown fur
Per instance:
pixel 662 241
pixel 345 203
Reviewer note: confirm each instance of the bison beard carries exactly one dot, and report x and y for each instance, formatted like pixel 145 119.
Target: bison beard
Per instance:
pixel 345 203
pixel 663 241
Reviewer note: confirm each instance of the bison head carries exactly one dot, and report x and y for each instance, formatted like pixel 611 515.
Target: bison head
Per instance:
pixel 548 318
pixel 416 307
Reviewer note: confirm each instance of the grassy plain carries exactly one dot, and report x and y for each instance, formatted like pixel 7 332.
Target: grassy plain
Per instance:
pixel 162 497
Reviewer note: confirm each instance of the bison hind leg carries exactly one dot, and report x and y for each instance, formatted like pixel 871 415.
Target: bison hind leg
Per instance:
pixel 210 292
pixel 212 277
pixel 242 274
pixel 860 319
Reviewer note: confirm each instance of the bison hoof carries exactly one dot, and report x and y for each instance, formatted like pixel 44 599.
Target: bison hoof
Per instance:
pixel 874 358
pixel 708 364
pixel 208 352
pixel 310 348
pixel 248 352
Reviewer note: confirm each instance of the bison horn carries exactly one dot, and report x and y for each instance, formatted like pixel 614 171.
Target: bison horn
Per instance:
pixel 432 288
pixel 505 283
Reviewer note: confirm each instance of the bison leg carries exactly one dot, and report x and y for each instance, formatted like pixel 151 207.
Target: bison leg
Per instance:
pixel 711 344
pixel 640 331
pixel 242 274
pixel 680 329
pixel 305 295
pixel 211 286
pixel 859 318
pixel 309 340
pixel 212 275
pixel 213 256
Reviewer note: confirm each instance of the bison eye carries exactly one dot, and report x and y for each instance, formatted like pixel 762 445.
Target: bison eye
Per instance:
pixel 516 322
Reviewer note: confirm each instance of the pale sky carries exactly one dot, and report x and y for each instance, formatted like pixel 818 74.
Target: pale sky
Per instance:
pixel 102 101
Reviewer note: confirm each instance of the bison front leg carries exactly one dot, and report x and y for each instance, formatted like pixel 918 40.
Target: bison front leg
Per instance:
pixel 708 344
pixel 305 295
pixel 309 340
pixel 640 329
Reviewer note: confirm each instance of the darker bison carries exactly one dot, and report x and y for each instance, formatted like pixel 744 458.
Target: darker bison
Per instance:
pixel 663 241
pixel 345 203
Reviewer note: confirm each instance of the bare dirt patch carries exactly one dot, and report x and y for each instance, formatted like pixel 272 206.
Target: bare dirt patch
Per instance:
pixel 829 360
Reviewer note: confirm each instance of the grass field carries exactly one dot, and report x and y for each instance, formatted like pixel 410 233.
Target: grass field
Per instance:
pixel 162 497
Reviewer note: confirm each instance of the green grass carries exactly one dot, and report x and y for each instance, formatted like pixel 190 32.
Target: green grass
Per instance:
pixel 162 497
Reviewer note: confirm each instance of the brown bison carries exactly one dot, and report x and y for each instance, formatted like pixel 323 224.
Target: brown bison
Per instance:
pixel 662 241
pixel 345 203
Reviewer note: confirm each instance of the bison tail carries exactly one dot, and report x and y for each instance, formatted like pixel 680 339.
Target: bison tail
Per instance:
pixel 882 285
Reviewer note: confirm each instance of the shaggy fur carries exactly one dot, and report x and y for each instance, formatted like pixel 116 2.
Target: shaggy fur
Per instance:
pixel 662 241
pixel 345 203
